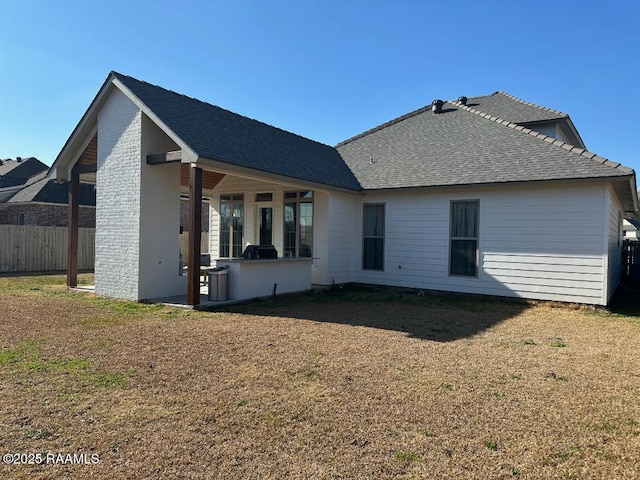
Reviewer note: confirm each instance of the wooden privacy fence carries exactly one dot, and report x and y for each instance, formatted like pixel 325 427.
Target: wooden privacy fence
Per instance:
pixel 631 263
pixel 30 248
pixel 184 244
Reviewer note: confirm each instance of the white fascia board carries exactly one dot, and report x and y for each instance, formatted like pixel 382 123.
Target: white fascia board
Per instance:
pixel 188 155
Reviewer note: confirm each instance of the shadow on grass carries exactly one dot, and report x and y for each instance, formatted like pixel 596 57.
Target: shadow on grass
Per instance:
pixel 626 301
pixel 436 316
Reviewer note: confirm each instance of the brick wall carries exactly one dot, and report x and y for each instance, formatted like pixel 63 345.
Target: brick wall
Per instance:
pixel 45 215
pixel 184 215
pixel 118 198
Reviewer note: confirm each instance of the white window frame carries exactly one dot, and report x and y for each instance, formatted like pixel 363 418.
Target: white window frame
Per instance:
pixel 452 238
pixel 383 236
pixel 298 200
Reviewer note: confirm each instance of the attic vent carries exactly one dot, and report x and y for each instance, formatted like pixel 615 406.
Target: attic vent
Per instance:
pixel 436 106
pixel 463 100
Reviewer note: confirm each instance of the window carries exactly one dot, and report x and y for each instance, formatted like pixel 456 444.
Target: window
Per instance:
pixel 264 218
pixel 298 224
pixel 231 225
pixel 463 253
pixel 373 237
pixel 20 218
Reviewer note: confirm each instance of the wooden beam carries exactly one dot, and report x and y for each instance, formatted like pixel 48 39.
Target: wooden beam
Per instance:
pixel 195 228
pixel 72 236
pixel 159 158
pixel 77 168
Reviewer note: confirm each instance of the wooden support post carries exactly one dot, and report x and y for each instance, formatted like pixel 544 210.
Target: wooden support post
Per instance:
pixel 72 236
pixel 195 228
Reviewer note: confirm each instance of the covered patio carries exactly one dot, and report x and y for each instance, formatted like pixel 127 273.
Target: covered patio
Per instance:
pixel 250 278
pixel 143 147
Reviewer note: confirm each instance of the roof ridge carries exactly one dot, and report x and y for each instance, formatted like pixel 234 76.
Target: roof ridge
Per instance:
pixel 531 104
pixel 385 125
pixel 453 102
pixel 567 146
pixel 221 108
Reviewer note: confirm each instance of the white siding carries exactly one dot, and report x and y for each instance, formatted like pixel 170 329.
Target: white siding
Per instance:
pixel 320 274
pixel 553 131
pixel 534 242
pixel 614 245
pixel 335 217
pixel 539 242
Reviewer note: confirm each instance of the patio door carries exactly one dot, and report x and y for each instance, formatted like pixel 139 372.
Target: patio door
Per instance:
pixel 264 227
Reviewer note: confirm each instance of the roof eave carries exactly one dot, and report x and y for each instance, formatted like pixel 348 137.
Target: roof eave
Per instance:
pixel 513 183
pixel 263 175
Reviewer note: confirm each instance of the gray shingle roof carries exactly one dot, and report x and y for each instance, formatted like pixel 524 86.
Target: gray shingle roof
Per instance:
pixel 508 107
pixel 48 191
pixel 463 146
pixel 219 134
pixel 13 172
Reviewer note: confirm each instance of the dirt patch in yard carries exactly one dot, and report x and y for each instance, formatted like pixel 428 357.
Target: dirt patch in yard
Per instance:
pixel 318 386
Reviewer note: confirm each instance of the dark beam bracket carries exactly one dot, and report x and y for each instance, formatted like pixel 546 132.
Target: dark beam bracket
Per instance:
pixel 159 158
pixel 72 238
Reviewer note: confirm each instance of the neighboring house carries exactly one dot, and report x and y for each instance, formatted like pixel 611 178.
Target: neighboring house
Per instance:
pixel 42 201
pixel 16 173
pixel 184 214
pixel 488 195
pixel 631 229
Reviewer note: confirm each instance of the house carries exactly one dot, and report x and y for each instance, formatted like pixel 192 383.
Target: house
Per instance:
pixel 15 173
pixel 488 195
pixel 631 229
pixel 29 197
pixel 43 201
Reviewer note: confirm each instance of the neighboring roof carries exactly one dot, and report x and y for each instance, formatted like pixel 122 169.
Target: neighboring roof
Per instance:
pixel 42 190
pixel 17 172
pixel 463 146
pixel 218 134
pixel 635 223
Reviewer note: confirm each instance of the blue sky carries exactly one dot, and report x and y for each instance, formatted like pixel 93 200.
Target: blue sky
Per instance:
pixel 326 70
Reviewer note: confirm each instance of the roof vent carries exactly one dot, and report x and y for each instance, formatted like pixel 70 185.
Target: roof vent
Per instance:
pixel 463 100
pixel 436 106
pixel 18 159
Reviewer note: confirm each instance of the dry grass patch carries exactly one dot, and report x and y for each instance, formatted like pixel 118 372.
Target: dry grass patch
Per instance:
pixel 358 384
